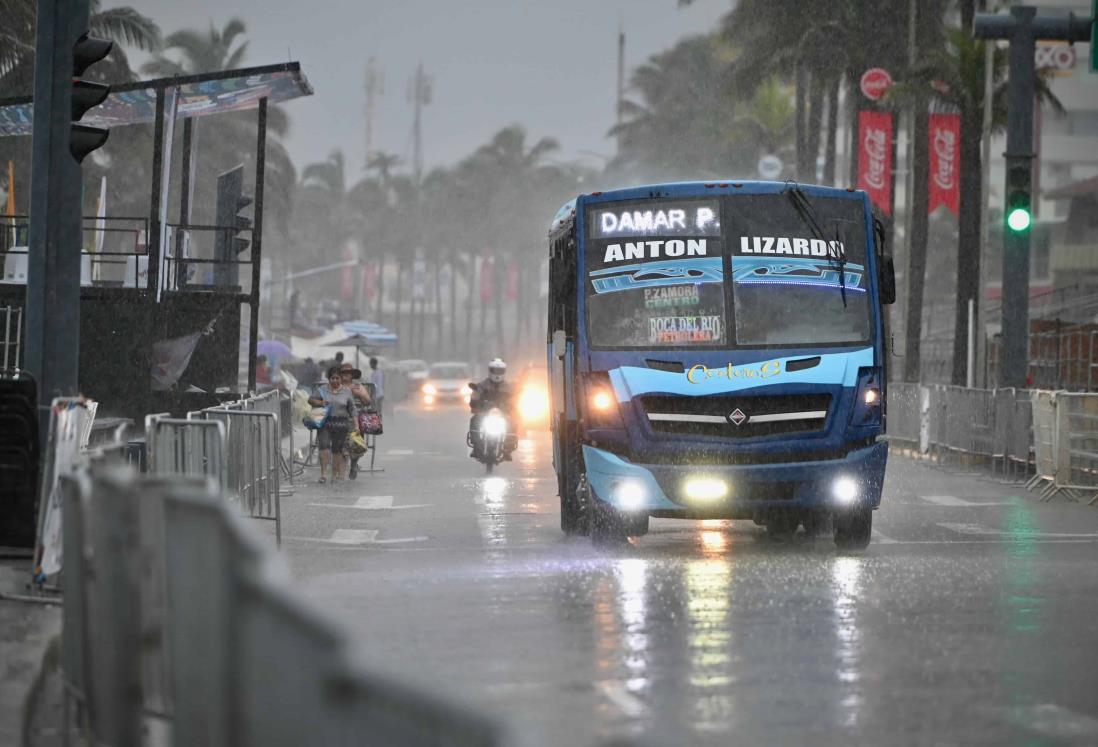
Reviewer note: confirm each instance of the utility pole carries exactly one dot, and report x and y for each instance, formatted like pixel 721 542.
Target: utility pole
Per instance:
pixel 62 52
pixel 375 87
pixel 419 92
pixel 1021 28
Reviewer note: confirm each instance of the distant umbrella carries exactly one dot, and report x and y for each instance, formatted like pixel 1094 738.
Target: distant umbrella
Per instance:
pixel 274 350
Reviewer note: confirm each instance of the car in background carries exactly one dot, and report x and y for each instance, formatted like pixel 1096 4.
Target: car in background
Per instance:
pixel 447 382
pixel 415 371
pixel 532 392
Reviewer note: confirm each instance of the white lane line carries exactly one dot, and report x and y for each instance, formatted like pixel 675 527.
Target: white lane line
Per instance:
pixel 367 537
pixel 883 539
pixel 955 502
pixel 353 536
pixel 399 452
pixel 984 531
pixel 374 503
pixel 620 696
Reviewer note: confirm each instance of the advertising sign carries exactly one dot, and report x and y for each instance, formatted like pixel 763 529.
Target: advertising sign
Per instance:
pixel 945 162
pixel 875 83
pixel 875 157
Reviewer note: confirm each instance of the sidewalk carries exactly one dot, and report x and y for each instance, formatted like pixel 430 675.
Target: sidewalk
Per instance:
pixel 26 630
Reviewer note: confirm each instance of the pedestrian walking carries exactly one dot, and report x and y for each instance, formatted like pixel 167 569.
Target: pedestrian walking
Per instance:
pixel 352 379
pixel 331 439
pixel 377 378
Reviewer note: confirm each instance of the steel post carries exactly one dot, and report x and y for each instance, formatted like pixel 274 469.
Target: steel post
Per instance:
pixel 53 272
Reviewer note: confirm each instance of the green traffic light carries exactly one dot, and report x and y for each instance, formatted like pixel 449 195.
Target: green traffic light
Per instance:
pixel 1019 219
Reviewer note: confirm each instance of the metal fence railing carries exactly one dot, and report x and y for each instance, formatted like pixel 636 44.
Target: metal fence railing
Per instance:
pixel 1051 436
pixel 203 636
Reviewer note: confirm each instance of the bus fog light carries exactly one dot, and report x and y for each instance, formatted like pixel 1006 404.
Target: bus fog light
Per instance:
pixel 629 494
pixel 845 490
pixel 705 489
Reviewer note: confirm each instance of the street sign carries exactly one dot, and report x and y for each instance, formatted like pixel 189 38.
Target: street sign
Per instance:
pixel 770 166
pixel 875 82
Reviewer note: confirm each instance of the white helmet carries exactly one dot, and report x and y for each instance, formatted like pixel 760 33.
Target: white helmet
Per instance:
pixel 496 369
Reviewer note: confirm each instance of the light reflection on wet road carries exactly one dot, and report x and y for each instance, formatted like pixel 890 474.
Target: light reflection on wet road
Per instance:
pixel 961 624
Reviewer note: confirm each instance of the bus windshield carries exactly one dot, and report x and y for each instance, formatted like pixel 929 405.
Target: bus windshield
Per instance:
pixel 657 272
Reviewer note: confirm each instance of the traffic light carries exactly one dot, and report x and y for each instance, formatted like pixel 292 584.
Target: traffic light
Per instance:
pixel 1019 215
pixel 229 243
pixel 83 139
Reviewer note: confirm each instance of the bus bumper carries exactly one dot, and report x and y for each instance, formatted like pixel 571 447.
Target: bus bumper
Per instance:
pixel 736 491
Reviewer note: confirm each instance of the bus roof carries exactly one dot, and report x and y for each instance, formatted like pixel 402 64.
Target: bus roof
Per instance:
pixel 698 189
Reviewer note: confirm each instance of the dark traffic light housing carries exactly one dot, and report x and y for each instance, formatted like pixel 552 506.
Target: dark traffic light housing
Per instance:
pixel 83 139
pixel 1019 208
pixel 229 244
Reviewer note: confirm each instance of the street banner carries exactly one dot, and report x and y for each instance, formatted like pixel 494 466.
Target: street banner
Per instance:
pixel 369 280
pixel 512 281
pixel 945 162
pixel 487 279
pixel 70 425
pixel 101 215
pixel 875 158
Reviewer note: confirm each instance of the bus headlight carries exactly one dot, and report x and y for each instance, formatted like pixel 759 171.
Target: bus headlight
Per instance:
pixel 602 400
pixel 705 489
pixel 845 490
pixel 629 494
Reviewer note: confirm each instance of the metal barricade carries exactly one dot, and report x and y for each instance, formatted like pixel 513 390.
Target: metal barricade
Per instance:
pixel 1044 443
pixel 1012 437
pixel 1077 446
pixel 252 462
pixel 186 447
pixel 903 413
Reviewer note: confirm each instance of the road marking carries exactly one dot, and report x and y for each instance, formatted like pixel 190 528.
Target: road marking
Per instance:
pixel 399 452
pixel 955 502
pixel 883 539
pixel 374 503
pixel 617 693
pixel 985 531
pixel 353 536
pixel 367 537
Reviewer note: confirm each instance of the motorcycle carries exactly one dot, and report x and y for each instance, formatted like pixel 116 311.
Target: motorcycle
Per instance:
pixel 494 431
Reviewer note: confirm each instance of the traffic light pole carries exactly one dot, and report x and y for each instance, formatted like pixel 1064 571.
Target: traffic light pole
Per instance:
pixel 53 282
pixel 1023 27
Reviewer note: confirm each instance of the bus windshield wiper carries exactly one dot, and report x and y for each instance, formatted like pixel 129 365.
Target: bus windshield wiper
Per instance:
pixel 836 258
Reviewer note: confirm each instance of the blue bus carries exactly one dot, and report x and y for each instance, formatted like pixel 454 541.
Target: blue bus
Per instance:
pixel 716 351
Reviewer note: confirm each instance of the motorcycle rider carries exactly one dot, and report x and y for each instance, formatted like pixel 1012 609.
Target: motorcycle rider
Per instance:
pixel 492 392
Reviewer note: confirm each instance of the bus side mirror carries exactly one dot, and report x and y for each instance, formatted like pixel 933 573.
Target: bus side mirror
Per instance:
pixel 887 286
pixel 560 339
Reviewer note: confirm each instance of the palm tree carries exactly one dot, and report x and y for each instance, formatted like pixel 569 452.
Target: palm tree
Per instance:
pixel 229 138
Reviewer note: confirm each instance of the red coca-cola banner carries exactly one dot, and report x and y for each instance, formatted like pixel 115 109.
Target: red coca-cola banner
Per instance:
pixel 945 162
pixel 875 158
pixel 487 279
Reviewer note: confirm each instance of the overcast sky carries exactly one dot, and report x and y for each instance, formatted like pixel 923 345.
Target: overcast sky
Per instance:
pixel 549 65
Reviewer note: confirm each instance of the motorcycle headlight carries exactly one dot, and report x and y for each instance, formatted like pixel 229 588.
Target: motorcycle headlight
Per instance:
pixel 493 425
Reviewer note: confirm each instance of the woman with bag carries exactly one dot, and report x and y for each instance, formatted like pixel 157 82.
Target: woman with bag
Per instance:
pixel 342 419
pixel 356 444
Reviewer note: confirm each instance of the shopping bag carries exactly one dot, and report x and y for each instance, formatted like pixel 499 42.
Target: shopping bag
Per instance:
pixel 356 444
pixel 317 417
pixel 370 423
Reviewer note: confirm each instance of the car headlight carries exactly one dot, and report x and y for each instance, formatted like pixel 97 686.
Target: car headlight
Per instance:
pixel 493 425
pixel 430 389
pixel 533 403
pixel 466 391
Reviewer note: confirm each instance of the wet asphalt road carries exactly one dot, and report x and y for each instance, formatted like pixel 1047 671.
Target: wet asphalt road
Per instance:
pixel 971 619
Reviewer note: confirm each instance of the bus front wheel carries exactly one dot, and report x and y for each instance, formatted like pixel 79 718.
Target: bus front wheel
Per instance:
pixel 573 510
pixel 610 526
pixel 853 528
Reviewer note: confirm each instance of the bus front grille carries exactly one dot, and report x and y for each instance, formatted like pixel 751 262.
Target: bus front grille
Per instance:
pixel 730 416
